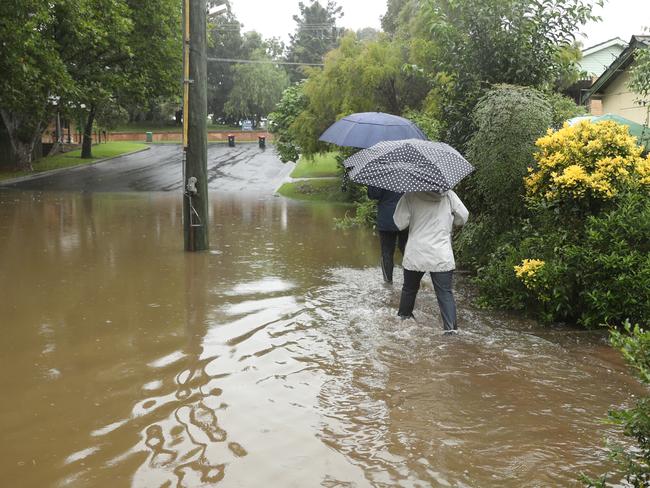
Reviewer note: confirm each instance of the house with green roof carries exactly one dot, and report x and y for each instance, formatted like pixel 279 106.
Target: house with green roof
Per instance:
pixel 596 59
pixel 610 92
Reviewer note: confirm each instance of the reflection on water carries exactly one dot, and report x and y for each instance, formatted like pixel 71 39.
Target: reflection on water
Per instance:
pixel 276 356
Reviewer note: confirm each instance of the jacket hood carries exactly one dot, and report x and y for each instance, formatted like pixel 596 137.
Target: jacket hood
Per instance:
pixel 429 196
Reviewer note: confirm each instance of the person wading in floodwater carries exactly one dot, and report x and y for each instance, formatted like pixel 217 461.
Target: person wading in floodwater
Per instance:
pixel 389 235
pixel 430 218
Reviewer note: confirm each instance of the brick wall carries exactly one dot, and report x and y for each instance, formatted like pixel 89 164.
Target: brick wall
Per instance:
pixel 213 136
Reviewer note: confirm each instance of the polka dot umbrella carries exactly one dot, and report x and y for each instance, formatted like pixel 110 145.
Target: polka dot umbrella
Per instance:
pixel 408 166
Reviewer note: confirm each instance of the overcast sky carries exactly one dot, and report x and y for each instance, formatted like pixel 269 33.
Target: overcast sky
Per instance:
pixel 274 18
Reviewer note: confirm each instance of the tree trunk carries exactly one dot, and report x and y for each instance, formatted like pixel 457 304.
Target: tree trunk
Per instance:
pixel 87 144
pixel 58 138
pixel 22 138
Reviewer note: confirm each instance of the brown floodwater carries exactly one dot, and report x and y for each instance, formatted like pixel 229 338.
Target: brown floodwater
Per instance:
pixel 274 360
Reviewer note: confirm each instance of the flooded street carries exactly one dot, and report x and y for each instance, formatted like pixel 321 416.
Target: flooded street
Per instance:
pixel 274 360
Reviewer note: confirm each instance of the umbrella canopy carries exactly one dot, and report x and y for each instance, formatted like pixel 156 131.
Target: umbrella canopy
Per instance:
pixel 367 128
pixel 408 166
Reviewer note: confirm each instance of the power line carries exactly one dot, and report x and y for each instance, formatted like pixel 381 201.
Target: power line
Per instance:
pixel 236 26
pixel 261 61
pixel 233 24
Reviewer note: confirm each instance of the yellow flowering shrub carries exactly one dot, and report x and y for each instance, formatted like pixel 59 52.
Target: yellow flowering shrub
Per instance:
pixel 529 273
pixel 527 270
pixel 586 161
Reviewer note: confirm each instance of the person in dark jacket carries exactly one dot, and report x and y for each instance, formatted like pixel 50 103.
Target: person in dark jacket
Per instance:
pixel 389 235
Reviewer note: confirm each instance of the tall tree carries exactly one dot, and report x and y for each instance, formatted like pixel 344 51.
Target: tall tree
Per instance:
pixel 33 74
pixel 81 55
pixel 358 77
pixel 134 54
pixel 224 42
pixel 402 17
pixel 257 88
pixel 316 34
pixel 99 64
pixel 292 103
pixel 156 46
pixel 484 42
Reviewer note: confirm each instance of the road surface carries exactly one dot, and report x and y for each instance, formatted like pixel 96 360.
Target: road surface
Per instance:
pixel 244 168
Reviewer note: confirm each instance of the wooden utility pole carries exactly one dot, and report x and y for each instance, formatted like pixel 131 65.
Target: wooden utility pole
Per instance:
pixel 195 136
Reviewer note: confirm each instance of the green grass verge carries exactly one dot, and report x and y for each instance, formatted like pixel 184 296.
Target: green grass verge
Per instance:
pixel 315 191
pixel 321 165
pixel 73 158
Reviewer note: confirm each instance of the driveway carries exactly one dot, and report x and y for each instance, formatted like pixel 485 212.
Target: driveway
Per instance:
pixel 244 168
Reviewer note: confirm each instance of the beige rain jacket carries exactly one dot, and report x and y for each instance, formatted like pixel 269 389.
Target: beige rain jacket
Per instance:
pixel 430 218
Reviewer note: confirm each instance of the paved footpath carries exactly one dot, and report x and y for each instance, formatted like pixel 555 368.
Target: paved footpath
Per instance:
pixel 244 168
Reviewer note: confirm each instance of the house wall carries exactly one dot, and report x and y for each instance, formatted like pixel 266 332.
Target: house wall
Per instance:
pixel 618 99
pixel 596 63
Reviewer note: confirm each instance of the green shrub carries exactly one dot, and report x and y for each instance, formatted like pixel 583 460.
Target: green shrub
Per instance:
pixel 595 275
pixel 562 109
pixel 292 103
pixel 583 252
pixel 579 169
pixel 498 284
pixel 509 119
pixel 364 215
pixel 612 264
pixel 527 272
pixel 427 123
pixel 634 464
pixel 477 240
pixel 356 192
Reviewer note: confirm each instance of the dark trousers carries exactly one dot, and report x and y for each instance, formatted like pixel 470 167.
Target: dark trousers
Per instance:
pixel 442 284
pixel 388 240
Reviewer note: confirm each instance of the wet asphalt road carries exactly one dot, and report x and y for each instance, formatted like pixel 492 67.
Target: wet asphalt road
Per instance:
pixel 244 168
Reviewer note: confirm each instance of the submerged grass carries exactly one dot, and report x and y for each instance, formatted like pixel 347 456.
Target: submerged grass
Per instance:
pixel 316 191
pixel 73 158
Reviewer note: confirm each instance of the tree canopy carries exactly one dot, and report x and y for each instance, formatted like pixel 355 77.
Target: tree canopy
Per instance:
pixel 357 77
pixel 482 43
pixel 257 87
pixel 34 74
pixel 78 55
pixel 316 34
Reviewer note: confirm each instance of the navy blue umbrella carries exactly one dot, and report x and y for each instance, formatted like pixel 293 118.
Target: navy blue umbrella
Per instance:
pixel 368 128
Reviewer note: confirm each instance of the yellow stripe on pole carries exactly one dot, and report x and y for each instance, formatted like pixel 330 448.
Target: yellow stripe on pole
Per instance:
pixel 186 70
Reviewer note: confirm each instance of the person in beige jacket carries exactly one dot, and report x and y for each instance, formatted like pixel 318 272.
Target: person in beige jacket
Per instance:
pixel 430 218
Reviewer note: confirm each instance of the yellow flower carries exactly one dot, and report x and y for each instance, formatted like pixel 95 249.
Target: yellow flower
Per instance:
pixel 527 270
pixel 643 170
pixel 586 161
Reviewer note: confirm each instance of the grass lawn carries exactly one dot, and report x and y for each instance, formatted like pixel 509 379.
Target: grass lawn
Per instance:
pixel 315 191
pixel 322 165
pixel 73 158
